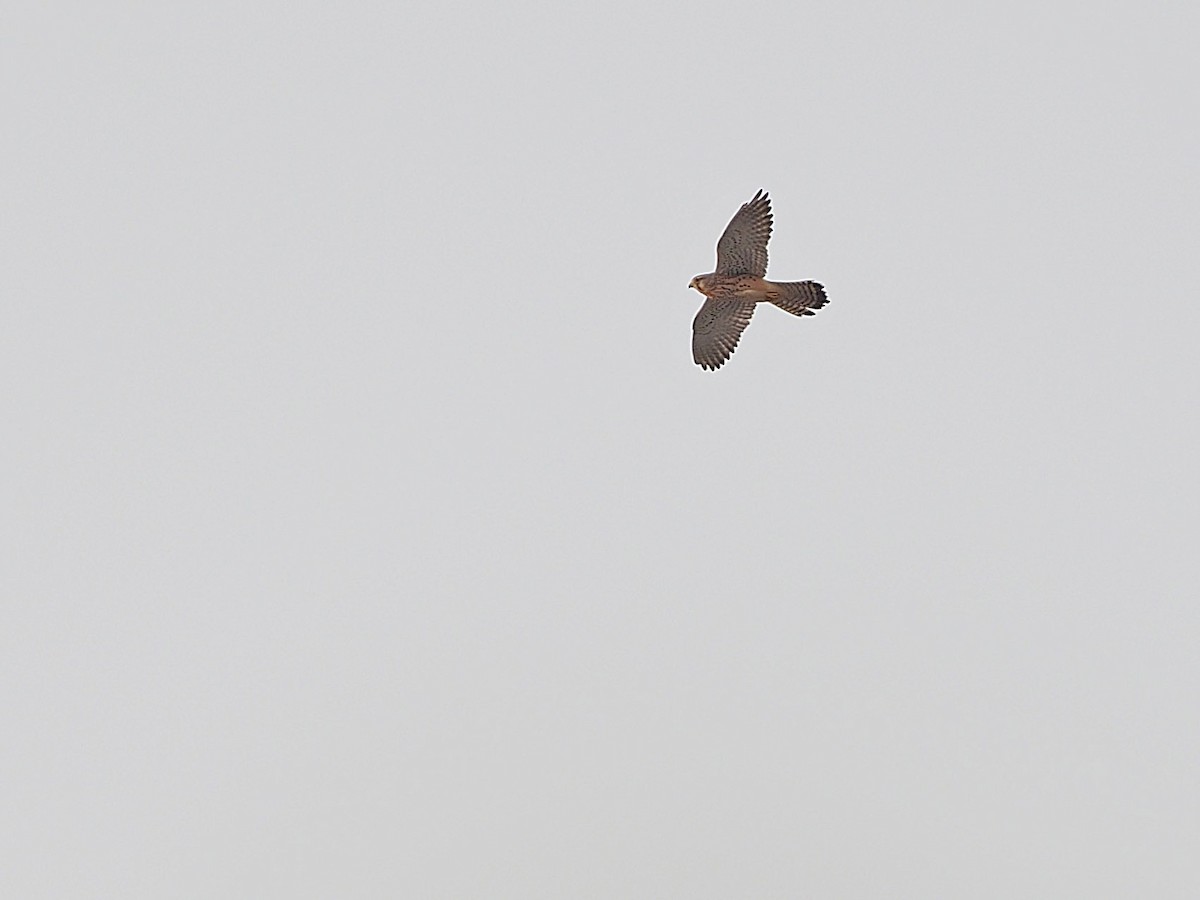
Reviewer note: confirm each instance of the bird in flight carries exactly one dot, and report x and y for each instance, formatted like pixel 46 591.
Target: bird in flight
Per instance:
pixel 738 285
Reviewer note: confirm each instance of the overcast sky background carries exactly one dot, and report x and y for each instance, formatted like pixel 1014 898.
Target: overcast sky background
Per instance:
pixel 369 532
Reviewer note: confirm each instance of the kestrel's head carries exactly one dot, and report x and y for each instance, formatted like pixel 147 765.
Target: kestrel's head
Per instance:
pixel 698 283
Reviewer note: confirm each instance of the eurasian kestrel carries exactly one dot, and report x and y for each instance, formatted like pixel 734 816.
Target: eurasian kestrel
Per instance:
pixel 738 286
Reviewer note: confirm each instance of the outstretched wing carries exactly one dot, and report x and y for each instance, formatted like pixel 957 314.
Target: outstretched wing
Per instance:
pixel 742 249
pixel 717 328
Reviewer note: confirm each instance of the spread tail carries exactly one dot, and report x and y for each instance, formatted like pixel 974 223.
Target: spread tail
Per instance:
pixel 800 298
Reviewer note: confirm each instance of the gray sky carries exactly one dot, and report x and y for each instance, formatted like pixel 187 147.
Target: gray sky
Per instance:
pixel 369 531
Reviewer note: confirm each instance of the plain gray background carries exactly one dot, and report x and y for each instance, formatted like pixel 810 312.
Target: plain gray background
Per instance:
pixel 369 532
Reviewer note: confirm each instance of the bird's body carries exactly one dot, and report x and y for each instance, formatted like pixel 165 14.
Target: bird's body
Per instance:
pixel 738 285
pixel 743 285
